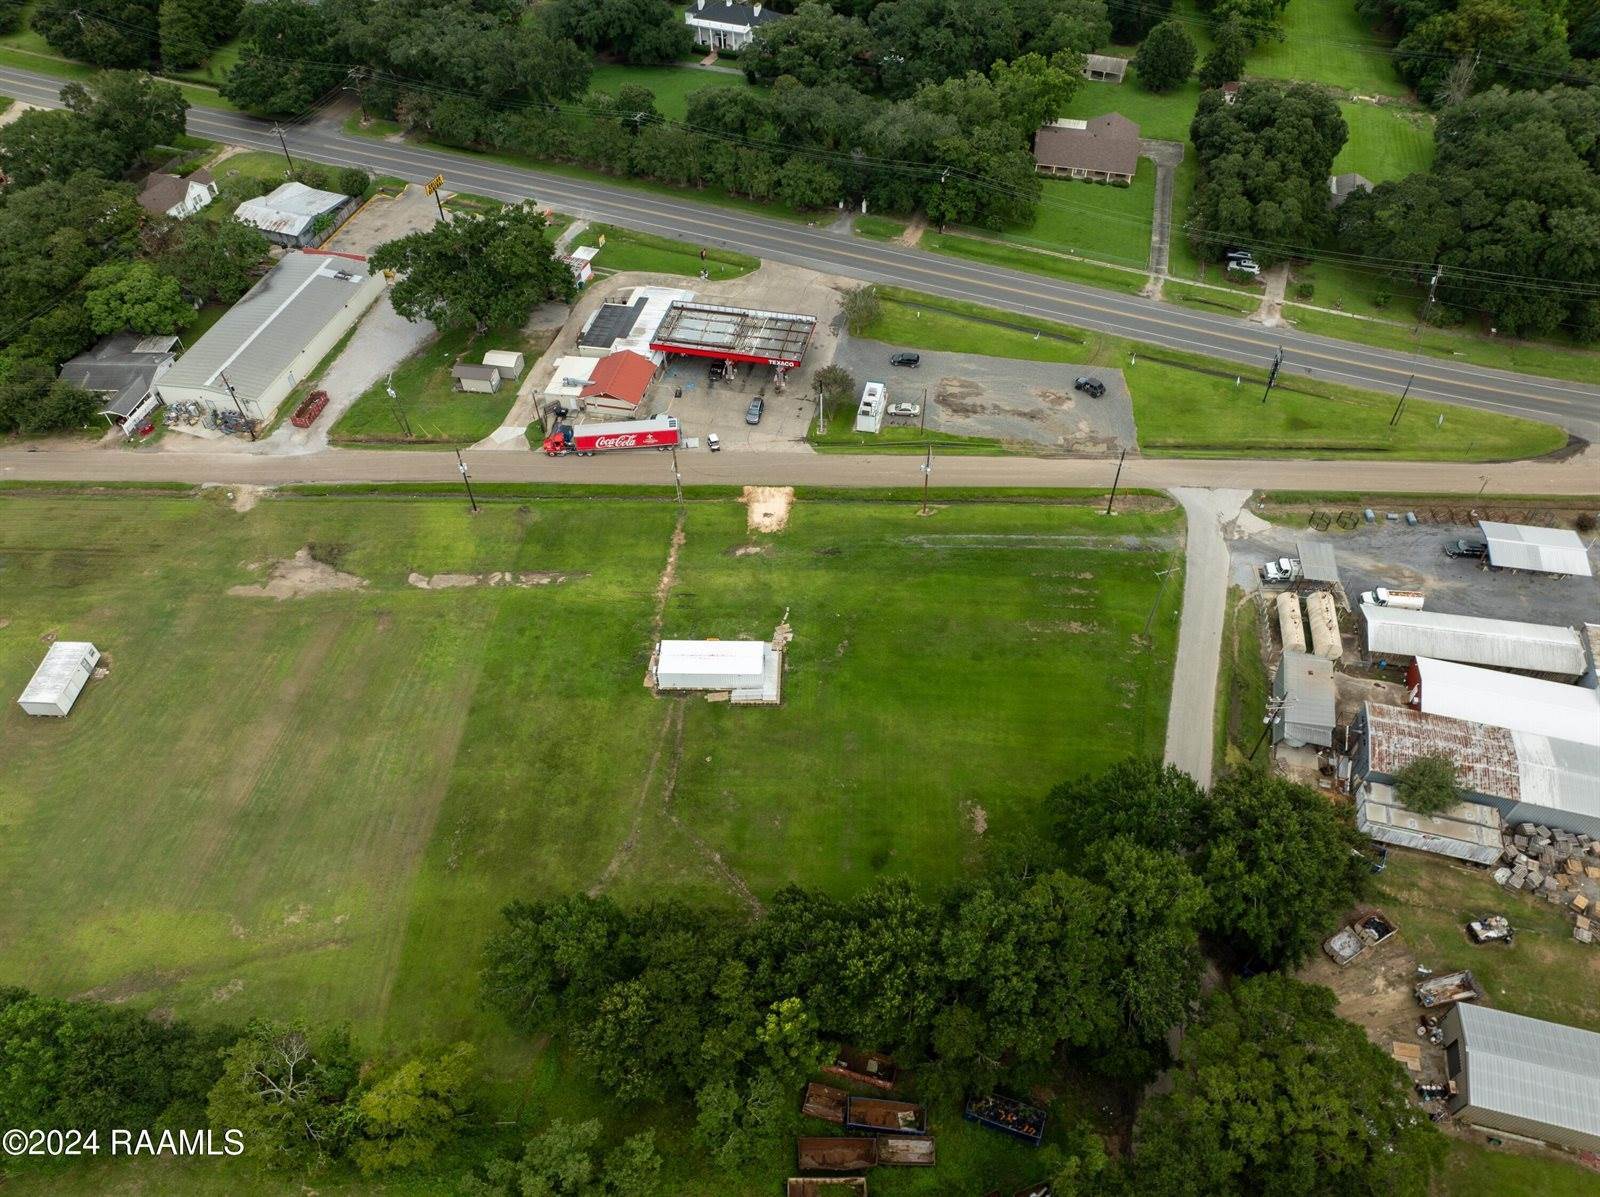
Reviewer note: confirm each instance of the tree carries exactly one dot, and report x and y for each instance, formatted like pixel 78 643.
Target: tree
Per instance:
pixel 1166 58
pixel 114 33
pixel 134 110
pixel 1277 1094
pixel 1131 20
pixel 1280 863
pixel 408 1115
pixel 564 1160
pixel 1259 20
pixel 183 35
pixel 817 46
pixel 1077 26
pixel 134 297
pixel 287 1092
pixel 1225 62
pixel 636 31
pixel 287 61
pixel 476 272
pixel 11 15
pixel 861 308
pixel 1158 806
pixel 44 144
pixel 803 182
pixel 1428 786
pixel 1516 44
pixel 213 261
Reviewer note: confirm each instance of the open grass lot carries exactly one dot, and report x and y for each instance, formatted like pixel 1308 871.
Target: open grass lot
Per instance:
pixel 1326 41
pixel 671 86
pixel 1472 1169
pixel 1386 142
pixel 317 805
pixel 1187 405
pixel 842 437
pixel 628 250
pixel 1238 301
pixel 1017 257
pixel 1097 220
pixel 1166 116
pixel 425 394
pixel 879 228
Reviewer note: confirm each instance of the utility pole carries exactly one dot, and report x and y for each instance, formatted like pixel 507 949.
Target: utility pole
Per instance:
pixel 927 474
pixel 466 481
pixel 278 129
pixel 924 409
pixel 1160 590
pixel 1112 497
pixel 677 478
pixel 822 414
pixel 1274 713
pixel 394 401
pixel 1399 407
pixel 1272 377
pixel 249 424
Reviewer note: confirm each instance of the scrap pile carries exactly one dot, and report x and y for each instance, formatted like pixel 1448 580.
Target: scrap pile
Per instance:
pixel 1560 866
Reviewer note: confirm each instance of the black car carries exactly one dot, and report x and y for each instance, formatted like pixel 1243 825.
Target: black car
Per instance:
pixel 1091 387
pixel 1467 548
pixel 906 359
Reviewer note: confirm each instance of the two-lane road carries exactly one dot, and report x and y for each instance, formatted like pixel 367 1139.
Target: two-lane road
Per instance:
pixel 1573 406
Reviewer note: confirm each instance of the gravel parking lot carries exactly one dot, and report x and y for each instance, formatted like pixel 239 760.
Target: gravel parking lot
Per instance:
pixel 1030 403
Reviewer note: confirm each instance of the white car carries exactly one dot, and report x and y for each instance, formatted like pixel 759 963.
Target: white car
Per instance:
pixel 1249 268
pixel 911 410
pixel 713 442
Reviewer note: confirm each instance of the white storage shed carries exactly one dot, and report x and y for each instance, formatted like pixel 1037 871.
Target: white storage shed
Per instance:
pixel 869 415
pixel 711 664
pixel 60 677
pixel 1542 550
pixel 509 362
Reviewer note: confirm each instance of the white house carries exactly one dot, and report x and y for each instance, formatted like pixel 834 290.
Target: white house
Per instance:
pixel 727 25
pixel 169 195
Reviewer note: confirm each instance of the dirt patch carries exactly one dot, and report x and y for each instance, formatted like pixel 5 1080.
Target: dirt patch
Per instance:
pixel 48 637
pixel 768 507
pixel 125 989
pixel 979 819
pixel 844 647
pixel 232 989
pixel 299 577
pixel 748 550
pixel 103 666
pixel 522 580
pixel 246 497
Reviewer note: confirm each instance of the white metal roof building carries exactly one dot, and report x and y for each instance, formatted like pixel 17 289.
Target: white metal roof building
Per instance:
pixel 61 676
pixel 1498 643
pixel 1544 550
pixel 274 337
pixel 1303 686
pixel 748 668
pixel 1524 1076
pixel 286 215
pixel 1317 562
pixel 1508 700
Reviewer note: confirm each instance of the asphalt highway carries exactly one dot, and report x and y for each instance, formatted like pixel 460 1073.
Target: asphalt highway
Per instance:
pixel 1571 405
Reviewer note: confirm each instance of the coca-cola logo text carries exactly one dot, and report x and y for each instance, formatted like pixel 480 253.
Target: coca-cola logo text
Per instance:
pixel 624 440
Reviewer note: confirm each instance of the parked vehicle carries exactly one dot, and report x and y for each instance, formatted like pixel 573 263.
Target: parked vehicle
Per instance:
pixel 659 432
pixel 1249 268
pixel 913 360
pixel 1345 944
pixel 713 442
pixel 1284 569
pixel 752 414
pixel 908 410
pixel 1091 387
pixel 1494 928
pixel 1451 987
pixel 1405 600
pixel 1467 548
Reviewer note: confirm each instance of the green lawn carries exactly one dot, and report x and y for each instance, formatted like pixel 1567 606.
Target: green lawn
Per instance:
pixel 242 177
pixel 1187 405
pixel 1326 41
pixel 1019 257
pixel 1097 220
pixel 627 250
pixel 1237 301
pixel 671 86
pixel 1472 1169
pixel 1242 684
pixel 1166 116
pixel 318 805
pixel 1386 142
pixel 436 413
pixel 842 437
pixel 879 228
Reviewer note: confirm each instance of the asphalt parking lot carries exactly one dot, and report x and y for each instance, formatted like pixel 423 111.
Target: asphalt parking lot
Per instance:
pixel 704 406
pixel 1020 402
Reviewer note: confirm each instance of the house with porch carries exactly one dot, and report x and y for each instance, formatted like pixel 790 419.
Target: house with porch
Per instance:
pixel 726 25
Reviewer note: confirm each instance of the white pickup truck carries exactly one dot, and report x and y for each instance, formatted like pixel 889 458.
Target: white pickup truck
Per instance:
pixel 1284 569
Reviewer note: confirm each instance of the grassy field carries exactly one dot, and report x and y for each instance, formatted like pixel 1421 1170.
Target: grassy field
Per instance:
pixel 628 250
pixel 436 412
pixel 1166 116
pixel 879 228
pixel 317 805
pixel 1017 257
pixel 1242 684
pixel 1472 1169
pixel 1233 301
pixel 671 86
pixel 1097 220
pixel 1385 142
pixel 842 437
pixel 1326 41
pixel 1187 405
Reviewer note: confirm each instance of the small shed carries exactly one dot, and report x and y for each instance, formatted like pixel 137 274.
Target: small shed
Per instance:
pixel 60 677
pixel 509 362
pixel 1342 187
pixel 619 382
pixel 711 664
pixel 1104 68
pixel 483 380
pixel 1540 550
pixel 869 413
pixel 1303 687
pixel 1467 831
pixel 1523 1076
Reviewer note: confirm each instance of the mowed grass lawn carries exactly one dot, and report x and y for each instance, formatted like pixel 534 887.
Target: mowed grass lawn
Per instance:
pixel 425 394
pixel 1326 41
pixel 1386 142
pixel 628 250
pixel 671 85
pixel 318 805
pixel 1097 220
pixel 1166 116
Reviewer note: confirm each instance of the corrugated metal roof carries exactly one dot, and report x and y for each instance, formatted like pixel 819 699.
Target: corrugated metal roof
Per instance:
pixel 1316 561
pixel 63 660
pixel 1557 774
pixel 1305 683
pixel 1510 700
pixel 1547 550
pixel 1470 831
pixel 1530 1068
pixel 712 656
pixel 289 209
pixel 260 336
pixel 1500 643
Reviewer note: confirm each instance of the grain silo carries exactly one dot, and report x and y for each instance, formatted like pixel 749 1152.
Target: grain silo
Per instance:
pixel 1290 623
pixel 1324 617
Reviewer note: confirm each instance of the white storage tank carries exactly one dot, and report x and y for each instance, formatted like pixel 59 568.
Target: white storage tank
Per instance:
pixel 1324 616
pixel 1290 623
pixel 60 676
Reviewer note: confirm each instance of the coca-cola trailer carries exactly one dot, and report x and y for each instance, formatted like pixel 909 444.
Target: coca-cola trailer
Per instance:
pixel 659 432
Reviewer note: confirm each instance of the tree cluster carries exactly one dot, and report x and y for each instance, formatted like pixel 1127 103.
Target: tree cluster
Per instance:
pixel 1258 20
pixel 1264 167
pixel 1449 49
pixel 565 1160
pixel 107 126
pixel 1510 209
pixel 171 34
pixel 1165 59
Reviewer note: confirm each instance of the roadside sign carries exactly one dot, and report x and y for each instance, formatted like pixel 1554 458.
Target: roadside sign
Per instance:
pixel 433 184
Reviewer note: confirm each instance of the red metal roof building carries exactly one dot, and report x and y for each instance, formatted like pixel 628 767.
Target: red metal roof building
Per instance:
pixel 735 334
pixel 619 380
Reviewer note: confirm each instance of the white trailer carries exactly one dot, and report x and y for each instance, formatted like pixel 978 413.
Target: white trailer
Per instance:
pixel 869 415
pixel 60 677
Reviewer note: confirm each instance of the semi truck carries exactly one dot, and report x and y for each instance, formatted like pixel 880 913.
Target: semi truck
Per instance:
pixel 1407 600
pixel 659 432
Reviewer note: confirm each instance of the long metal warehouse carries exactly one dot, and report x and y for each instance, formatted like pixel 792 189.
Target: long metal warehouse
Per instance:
pixel 1497 643
pixel 1509 700
pixel 1543 550
pixel 1524 1076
